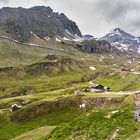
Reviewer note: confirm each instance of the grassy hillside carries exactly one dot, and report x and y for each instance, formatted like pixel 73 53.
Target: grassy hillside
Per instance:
pixel 128 82
pixel 39 133
pixel 47 79
pixel 43 111
pixel 95 125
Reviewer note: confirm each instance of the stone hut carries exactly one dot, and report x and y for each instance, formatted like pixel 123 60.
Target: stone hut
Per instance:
pixel 15 107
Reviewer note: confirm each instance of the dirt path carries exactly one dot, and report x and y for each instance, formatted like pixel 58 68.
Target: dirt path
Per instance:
pixel 121 92
pixel 135 73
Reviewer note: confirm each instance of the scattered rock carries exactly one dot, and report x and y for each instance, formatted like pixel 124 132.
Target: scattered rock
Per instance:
pixel 53 57
pixel 91 83
pixel 82 106
pixel 87 89
pixel 77 92
pixel 92 68
pixel 24 102
pixel 115 134
pixel 15 107
pixel 110 114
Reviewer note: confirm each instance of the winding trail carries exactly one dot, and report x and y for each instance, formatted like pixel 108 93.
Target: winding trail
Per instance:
pixel 135 73
pixel 121 92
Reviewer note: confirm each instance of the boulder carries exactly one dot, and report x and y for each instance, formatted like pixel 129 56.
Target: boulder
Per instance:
pixel 15 107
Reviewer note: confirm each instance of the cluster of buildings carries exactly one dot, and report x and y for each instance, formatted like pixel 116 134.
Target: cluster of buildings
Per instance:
pixel 96 88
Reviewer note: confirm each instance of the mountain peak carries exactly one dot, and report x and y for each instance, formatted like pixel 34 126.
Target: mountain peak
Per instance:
pixel 119 33
pixel 39 20
pixel 41 8
pixel 122 40
pixel 117 30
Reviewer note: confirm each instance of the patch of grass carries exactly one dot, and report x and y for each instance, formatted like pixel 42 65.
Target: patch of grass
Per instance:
pixel 51 110
pixel 129 100
pixel 117 83
pixel 36 134
pixel 52 102
pixel 135 136
pixel 12 129
pixel 39 84
pixel 94 125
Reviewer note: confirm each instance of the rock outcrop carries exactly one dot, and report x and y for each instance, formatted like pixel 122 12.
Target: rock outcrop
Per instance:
pixel 96 46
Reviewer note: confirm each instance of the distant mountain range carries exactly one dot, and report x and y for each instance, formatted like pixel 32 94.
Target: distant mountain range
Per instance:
pixel 123 41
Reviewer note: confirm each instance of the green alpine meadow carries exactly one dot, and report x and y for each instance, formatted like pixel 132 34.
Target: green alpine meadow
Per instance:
pixel 58 83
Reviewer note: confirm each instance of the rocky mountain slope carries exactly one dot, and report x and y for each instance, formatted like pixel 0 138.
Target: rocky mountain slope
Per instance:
pixel 91 45
pixel 95 46
pixel 123 41
pixel 23 25
pixel 39 21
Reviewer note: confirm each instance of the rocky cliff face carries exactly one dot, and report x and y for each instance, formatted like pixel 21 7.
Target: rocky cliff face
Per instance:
pixel 93 46
pixel 40 21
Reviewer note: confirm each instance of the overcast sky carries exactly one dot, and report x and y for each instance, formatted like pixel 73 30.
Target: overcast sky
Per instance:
pixel 96 17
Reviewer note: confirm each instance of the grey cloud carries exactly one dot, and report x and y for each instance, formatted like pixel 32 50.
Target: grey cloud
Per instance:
pixel 99 16
pixel 95 17
pixel 115 9
pixel 4 1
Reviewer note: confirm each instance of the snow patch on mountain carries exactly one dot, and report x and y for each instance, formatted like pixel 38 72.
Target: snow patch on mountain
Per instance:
pixel 139 50
pixel 123 41
pixel 70 34
pixel 47 38
pixel 57 39
pixel 138 40
pixel 121 46
pixel 74 37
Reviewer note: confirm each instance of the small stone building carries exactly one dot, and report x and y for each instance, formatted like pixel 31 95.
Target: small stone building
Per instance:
pixel 15 107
